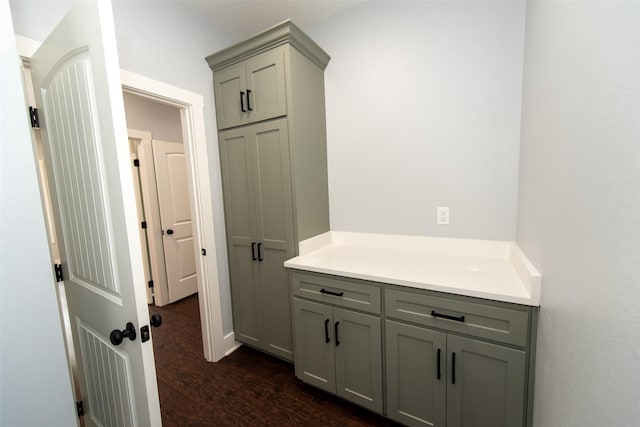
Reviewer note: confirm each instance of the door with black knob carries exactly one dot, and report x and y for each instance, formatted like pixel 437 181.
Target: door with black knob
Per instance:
pixel 180 253
pixel 78 92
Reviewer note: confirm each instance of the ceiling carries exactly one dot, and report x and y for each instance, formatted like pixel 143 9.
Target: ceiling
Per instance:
pixel 239 19
pixel 244 18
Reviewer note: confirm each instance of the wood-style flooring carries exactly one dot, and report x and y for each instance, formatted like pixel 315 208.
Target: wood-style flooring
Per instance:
pixel 246 388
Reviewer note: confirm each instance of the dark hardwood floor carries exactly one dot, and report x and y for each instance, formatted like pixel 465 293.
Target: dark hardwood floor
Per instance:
pixel 245 388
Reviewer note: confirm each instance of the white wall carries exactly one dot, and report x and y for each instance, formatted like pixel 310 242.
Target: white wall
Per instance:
pixel 579 208
pixel 163 121
pixel 423 110
pixel 35 385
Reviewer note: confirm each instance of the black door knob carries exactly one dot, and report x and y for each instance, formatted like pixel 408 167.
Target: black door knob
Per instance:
pixel 169 231
pixel 116 337
pixel 156 320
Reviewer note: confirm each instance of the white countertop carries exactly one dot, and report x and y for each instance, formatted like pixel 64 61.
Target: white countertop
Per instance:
pixel 495 270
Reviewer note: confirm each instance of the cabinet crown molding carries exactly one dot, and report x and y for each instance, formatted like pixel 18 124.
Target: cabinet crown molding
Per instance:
pixel 285 32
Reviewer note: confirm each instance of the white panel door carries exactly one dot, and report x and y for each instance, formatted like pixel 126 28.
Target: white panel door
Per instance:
pixel 175 217
pixel 77 80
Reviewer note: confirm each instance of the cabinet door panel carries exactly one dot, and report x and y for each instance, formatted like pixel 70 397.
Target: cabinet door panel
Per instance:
pixel 313 354
pixel 237 177
pixel 266 81
pixel 228 84
pixel 245 295
pixel 272 180
pixel 358 351
pixel 275 300
pixel 489 387
pixel 415 395
pixel 235 156
pixel 273 183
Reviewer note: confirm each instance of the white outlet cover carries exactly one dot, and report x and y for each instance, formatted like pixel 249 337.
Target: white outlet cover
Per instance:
pixel 442 215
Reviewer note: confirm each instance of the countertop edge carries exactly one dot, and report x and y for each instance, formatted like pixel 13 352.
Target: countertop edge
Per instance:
pixel 533 301
pixel 530 279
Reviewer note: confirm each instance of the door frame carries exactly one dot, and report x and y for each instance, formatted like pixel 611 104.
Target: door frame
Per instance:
pixel 139 144
pixel 191 106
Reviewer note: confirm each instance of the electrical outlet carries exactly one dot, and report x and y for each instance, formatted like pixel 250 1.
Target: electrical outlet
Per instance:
pixel 442 215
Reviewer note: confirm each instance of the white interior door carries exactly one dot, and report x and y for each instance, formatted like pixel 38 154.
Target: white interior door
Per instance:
pixel 175 217
pixel 77 81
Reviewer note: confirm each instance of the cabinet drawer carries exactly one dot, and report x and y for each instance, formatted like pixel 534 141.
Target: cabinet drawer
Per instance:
pixel 481 320
pixel 338 291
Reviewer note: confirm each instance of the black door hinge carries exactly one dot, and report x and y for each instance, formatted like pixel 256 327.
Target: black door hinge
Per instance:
pixel 151 283
pixel 58 270
pixel 136 163
pixel 80 408
pixel 204 252
pixel 143 224
pixel 33 115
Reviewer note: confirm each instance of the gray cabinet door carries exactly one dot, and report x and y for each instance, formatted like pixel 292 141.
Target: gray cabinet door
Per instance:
pixel 256 182
pixel 230 85
pixel 266 84
pixel 314 354
pixel 274 214
pixel 251 91
pixel 358 353
pixel 416 379
pixel 238 189
pixel 489 384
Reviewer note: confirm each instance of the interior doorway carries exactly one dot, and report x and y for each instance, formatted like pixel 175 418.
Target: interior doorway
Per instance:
pixel 162 196
pixel 216 344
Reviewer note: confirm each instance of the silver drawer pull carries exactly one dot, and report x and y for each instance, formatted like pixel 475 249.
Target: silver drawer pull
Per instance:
pixel 335 294
pixel 446 316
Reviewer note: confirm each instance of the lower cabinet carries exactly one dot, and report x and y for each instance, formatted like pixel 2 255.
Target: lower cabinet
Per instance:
pixel 441 379
pixel 449 360
pixel 416 375
pixel 340 351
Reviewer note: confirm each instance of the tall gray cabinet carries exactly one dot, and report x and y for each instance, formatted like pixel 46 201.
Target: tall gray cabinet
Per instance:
pixel 270 111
